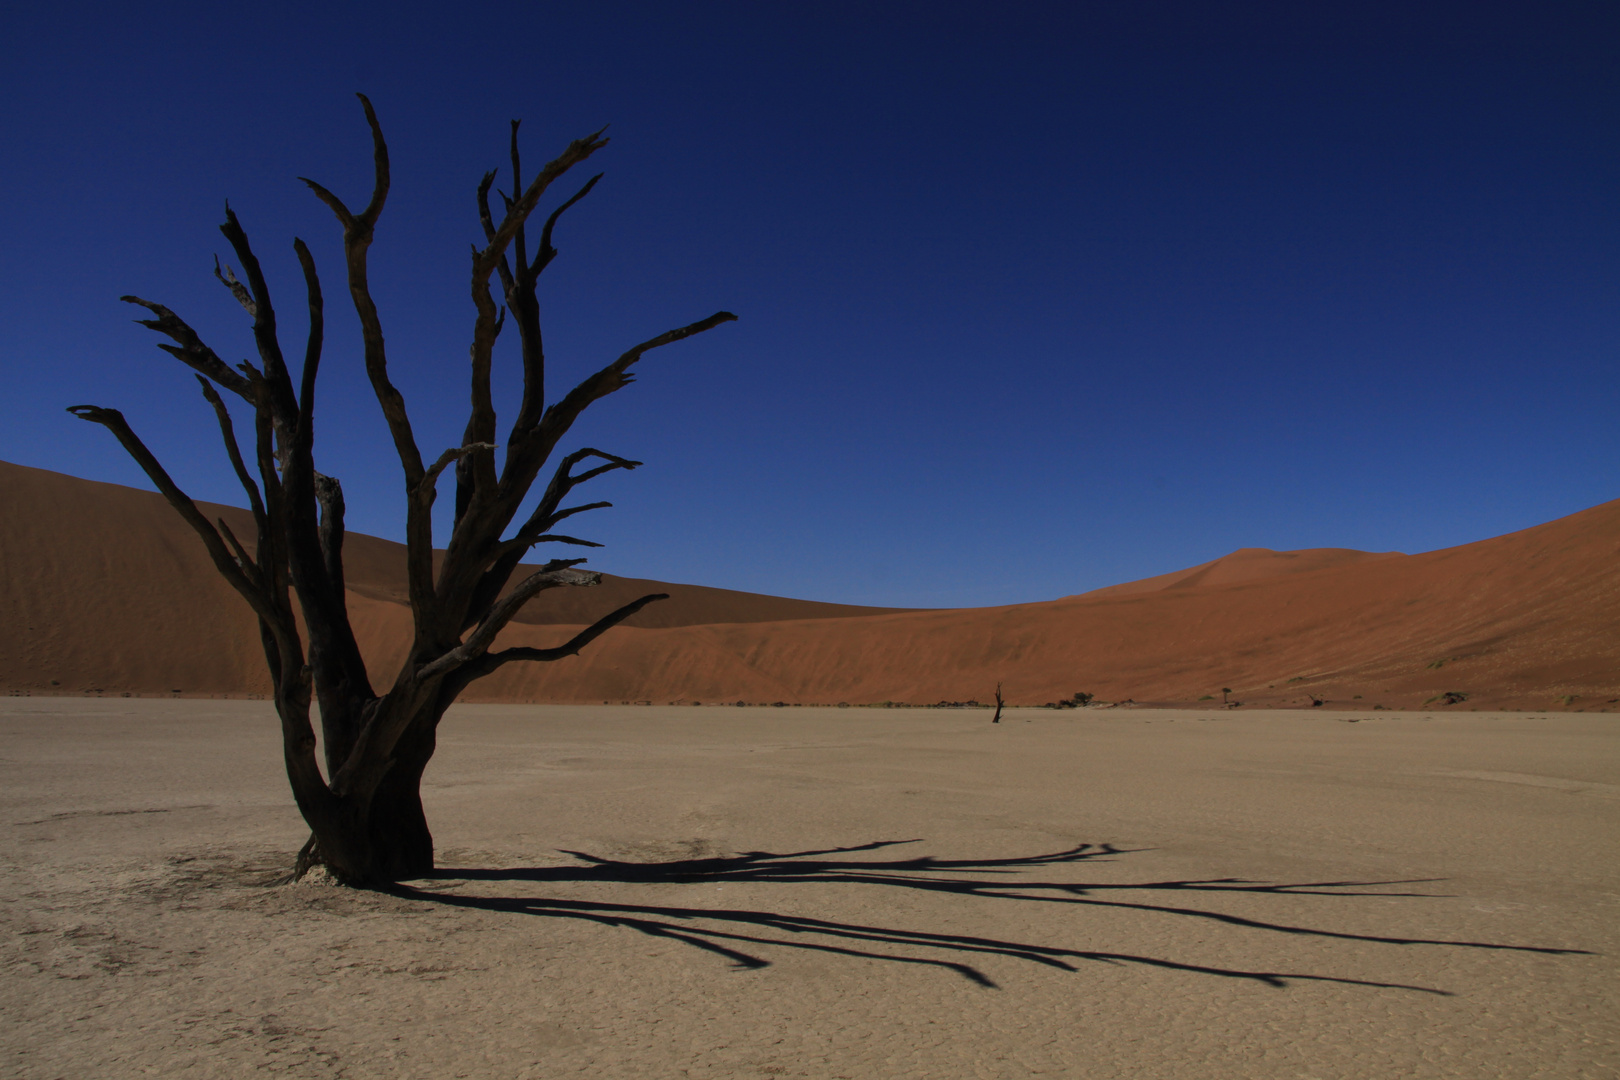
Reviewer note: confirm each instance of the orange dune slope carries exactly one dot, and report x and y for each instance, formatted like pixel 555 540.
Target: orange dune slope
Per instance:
pixel 1245 564
pixel 107 591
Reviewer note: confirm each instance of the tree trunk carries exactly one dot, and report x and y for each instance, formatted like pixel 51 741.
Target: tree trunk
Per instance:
pixel 401 845
pixel 377 841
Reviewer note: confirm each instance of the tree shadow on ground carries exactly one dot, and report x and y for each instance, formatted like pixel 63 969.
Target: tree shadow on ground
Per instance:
pixel 729 932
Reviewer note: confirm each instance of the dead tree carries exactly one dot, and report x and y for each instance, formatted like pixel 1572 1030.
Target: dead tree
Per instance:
pixel 365 812
pixel 1000 701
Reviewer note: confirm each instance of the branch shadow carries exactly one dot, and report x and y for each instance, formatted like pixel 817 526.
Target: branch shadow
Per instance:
pixel 730 932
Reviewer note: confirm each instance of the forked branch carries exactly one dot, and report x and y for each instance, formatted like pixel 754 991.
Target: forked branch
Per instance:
pixel 524 458
pixel 616 375
pixel 189 348
pixel 554 574
pixel 283 406
pixel 523 205
pixel 357 236
pixel 224 559
pixel 489 662
pixel 546 252
pixel 563 481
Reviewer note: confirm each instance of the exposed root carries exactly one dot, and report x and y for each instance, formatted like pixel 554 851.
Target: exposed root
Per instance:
pixel 311 865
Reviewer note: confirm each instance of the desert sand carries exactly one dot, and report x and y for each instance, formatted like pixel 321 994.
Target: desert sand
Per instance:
pixel 108 592
pixel 758 892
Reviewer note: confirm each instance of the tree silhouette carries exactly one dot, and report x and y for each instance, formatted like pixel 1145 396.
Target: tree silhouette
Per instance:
pixel 365 813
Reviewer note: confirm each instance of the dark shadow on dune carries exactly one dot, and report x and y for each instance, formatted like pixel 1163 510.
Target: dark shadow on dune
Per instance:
pixel 728 932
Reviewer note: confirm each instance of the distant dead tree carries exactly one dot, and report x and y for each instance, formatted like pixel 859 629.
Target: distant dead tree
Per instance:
pixel 365 813
pixel 1000 701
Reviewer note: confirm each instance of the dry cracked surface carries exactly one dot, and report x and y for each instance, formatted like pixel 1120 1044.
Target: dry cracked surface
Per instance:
pixel 690 892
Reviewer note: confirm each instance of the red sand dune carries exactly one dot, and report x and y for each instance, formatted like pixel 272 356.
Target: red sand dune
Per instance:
pixel 105 590
pixel 1245 564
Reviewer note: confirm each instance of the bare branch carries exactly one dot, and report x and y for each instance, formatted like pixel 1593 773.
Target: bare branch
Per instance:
pixel 551 577
pixel 477 471
pixel 519 545
pixel 524 460
pixel 379 160
pixel 190 349
pixel 669 337
pixel 520 298
pixel 543 257
pixel 357 236
pixel 591 474
pixel 284 407
pixel 453 454
pixel 488 662
pixel 558 538
pixel 243 559
pixel 329 496
pixel 342 212
pixel 485 218
pixel 264 594
pixel 312 348
pixel 234 451
pixel 238 290
pixel 545 514
pixel 572 510
pixel 517 185
pixel 503 558
pixel 488 222
pixel 224 561
pixel 523 205
pixel 563 480
pixel 476 477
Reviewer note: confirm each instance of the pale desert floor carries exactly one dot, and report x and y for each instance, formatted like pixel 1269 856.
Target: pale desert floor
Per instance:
pixel 826 893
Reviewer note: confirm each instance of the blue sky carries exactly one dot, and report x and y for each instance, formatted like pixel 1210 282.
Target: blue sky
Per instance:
pixel 1030 303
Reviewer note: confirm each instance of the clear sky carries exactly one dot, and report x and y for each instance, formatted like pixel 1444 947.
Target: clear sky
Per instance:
pixel 1034 298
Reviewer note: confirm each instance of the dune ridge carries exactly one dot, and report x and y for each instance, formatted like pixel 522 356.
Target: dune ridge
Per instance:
pixel 107 591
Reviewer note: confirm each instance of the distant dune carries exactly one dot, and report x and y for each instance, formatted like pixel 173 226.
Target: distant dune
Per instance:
pixel 1245 565
pixel 105 590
